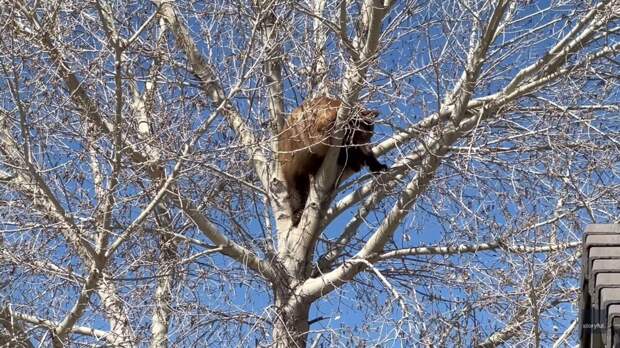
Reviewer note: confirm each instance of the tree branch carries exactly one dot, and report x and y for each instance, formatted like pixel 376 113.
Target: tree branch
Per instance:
pixel 81 330
pixel 208 81
pixel 66 326
pixel 474 248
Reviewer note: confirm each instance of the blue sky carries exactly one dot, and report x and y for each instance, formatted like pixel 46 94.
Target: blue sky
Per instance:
pixel 474 198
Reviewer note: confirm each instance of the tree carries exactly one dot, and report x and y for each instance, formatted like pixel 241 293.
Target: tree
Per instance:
pixel 142 202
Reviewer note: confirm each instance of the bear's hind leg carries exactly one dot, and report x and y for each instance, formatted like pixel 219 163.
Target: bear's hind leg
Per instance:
pixel 298 195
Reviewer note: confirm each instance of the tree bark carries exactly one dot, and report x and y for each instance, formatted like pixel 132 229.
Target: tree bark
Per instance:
pixel 290 328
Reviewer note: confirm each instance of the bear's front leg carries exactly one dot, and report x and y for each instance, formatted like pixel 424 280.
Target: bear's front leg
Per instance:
pixel 371 161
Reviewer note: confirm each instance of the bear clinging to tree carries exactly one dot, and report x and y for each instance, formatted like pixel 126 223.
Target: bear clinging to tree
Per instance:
pixel 306 138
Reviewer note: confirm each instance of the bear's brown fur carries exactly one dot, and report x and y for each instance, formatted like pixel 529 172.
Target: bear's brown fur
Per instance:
pixel 306 138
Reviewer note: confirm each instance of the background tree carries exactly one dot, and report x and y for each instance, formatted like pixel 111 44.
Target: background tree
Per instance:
pixel 141 202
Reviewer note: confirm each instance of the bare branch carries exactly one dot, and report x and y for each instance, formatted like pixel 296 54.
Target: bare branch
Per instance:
pixel 460 249
pixel 99 334
pixel 208 80
pixel 67 324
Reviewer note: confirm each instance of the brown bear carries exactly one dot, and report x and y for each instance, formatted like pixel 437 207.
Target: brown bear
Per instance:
pixel 306 138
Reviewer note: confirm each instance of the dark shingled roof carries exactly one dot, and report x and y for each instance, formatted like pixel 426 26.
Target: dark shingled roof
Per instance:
pixel 600 287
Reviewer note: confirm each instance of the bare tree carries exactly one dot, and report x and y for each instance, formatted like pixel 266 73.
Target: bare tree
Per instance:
pixel 142 202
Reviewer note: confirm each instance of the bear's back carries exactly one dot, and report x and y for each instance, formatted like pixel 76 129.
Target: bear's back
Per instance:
pixel 305 137
pixel 314 118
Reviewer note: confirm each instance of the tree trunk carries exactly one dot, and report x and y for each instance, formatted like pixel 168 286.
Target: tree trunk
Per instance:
pixel 290 327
